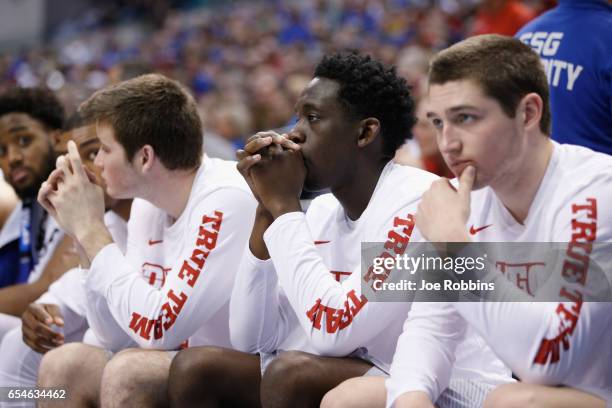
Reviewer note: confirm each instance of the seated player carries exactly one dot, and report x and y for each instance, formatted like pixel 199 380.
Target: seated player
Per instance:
pixel 59 315
pixel 515 185
pixel 298 300
pixel 186 233
pixel 33 251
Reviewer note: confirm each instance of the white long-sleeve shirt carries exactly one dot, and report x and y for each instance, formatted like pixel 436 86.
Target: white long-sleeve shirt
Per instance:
pixel 175 280
pixel 556 343
pixel 68 290
pixel 295 301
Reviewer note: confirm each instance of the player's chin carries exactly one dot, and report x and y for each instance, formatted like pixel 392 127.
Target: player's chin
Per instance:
pixel 109 202
pixel 113 194
pixel 312 185
pixel 478 184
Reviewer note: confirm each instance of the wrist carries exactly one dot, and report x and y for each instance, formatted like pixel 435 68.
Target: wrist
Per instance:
pixel 458 234
pixel 92 239
pixel 449 233
pixel 263 219
pixel 279 208
pixel 262 213
pixel 87 230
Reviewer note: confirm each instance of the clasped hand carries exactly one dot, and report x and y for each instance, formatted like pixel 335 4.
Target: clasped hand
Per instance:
pixel 273 166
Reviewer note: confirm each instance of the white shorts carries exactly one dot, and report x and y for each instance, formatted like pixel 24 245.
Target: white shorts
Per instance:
pixel 464 393
pixel 460 393
pixel 8 323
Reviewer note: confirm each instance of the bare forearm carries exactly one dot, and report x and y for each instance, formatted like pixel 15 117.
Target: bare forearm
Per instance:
pixel 15 299
pixel 263 219
pixel 280 207
pixel 63 259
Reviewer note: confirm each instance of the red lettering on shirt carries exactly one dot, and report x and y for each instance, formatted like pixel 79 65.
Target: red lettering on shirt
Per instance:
pixel 314 314
pixel 347 317
pixel 519 273
pixel 336 319
pixel 339 319
pixel 396 244
pixel 590 208
pixel 190 271
pixel 157 328
pixel 141 326
pixel 574 273
pixel 179 301
pixel 168 313
pixel 207 238
pixel 338 274
pixel 154 274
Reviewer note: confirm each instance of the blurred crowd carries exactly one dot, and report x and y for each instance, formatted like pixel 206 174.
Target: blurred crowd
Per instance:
pixel 247 61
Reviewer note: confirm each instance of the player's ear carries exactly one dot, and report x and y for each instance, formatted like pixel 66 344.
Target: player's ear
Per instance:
pixel 145 157
pixel 530 109
pixel 368 131
pixel 57 137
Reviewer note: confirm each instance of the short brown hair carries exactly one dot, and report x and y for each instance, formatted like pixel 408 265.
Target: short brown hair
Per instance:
pixel 504 67
pixel 151 109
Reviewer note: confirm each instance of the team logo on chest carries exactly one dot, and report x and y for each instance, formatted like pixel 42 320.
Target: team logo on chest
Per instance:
pixel 154 274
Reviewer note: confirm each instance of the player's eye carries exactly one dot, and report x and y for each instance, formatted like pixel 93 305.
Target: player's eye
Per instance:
pixel 312 117
pixel 24 141
pixel 436 122
pixel 465 118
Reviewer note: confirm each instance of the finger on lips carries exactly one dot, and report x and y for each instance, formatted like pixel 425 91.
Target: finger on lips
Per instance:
pixel 263 139
pixel 466 181
pixel 289 144
pixel 260 135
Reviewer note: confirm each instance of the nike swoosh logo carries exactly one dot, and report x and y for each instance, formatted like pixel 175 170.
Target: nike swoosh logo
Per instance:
pixel 152 242
pixel 474 231
pixel 321 242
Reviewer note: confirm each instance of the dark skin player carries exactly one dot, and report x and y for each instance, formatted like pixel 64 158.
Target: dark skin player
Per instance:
pixel 331 147
pixel 29 122
pixel 37 320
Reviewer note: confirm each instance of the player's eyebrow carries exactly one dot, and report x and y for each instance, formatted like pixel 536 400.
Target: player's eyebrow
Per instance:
pixel 18 128
pixel 453 110
pixel 461 107
pixel 89 142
